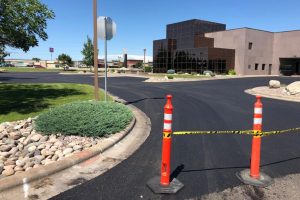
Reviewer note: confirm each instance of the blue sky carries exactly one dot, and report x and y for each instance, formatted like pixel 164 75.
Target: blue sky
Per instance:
pixel 139 22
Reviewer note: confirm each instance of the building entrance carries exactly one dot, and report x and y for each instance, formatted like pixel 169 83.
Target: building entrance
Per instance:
pixel 289 66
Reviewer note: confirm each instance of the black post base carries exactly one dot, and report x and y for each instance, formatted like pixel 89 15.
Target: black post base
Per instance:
pixel 263 181
pixel 156 187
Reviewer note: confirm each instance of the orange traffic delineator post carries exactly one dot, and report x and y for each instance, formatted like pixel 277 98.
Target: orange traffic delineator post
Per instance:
pixel 254 176
pixel 163 184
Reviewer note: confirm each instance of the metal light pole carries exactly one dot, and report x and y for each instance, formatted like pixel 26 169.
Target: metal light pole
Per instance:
pixel 96 82
pixel 145 56
pixel 105 61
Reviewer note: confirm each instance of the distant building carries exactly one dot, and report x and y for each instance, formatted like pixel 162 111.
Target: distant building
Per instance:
pixel 32 63
pixel 197 45
pixel 186 49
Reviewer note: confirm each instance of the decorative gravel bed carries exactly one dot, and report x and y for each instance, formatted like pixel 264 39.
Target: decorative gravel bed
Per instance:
pixel 23 148
pixel 281 92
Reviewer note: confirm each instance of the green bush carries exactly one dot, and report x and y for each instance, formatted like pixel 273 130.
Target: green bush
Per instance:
pixel 148 69
pixel 193 73
pixel 170 77
pixel 231 72
pixel 85 119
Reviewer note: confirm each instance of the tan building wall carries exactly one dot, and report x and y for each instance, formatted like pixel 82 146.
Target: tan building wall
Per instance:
pixel 286 45
pixel 232 39
pixel 261 53
pixel 267 49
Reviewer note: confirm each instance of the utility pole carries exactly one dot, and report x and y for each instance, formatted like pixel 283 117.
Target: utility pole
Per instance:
pixel 96 82
pixel 145 56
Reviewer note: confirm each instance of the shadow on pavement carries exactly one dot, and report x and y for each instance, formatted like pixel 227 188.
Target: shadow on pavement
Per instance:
pixel 139 100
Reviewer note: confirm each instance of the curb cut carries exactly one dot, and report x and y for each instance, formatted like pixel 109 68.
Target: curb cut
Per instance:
pixel 52 168
pixel 254 92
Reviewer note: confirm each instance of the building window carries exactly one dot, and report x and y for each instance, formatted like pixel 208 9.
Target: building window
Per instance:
pixel 256 66
pixel 250 45
pixel 263 66
pixel 249 66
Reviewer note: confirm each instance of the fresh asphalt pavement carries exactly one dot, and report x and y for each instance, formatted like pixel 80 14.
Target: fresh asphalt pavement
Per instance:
pixel 203 163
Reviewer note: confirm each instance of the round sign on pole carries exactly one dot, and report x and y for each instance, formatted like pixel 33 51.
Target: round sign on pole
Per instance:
pixel 110 28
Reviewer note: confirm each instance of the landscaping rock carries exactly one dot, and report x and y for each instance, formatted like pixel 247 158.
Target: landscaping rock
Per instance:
pixel 18 127
pixel 15 135
pixel 36 137
pixel 20 163
pixel 14 150
pixel 77 147
pixel 32 148
pixel 18 168
pixel 5 148
pixel 2 128
pixel 8 172
pixel 67 151
pixel 5 154
pixel 274 84
pixel 44 138
pixel 29 120
pixel 9 162
pixel 41 146
pixel 9 141
pixel 22 148
pixel 293 88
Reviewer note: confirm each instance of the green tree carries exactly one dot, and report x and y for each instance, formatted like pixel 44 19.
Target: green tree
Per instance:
pixel 139 65
pixel 36 59
pixel 65 59
pixel 22 22
pixel 88 53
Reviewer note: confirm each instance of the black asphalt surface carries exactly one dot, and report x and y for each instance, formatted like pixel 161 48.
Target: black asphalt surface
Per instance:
pixel 203 163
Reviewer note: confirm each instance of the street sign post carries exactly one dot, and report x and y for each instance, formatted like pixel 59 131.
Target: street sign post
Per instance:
pixel 106 31
pixel 51 50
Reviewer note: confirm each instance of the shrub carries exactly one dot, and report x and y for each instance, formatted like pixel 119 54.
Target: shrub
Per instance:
pixel 231 72
pixel 193 73
pixel 170 77
pixel 85 119
pixel 180 72
pixel 148 69
pixel 112 70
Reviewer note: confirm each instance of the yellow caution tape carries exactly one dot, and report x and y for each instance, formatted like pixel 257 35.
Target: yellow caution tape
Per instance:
pixel 247 132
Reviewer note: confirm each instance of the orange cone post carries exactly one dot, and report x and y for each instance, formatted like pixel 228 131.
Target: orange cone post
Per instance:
pixel 163 183
pixel 256 140
pixel 254 176
pixel 166 144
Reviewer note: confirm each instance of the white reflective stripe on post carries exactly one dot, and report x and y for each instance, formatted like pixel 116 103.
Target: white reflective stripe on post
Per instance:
pixel 257 120
pixel 258 110
pixel 167 126
pixel 168 116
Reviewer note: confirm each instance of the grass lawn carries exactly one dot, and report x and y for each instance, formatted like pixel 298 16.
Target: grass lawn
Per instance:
pixel 28 69
pixel 179 75
pixel 20 101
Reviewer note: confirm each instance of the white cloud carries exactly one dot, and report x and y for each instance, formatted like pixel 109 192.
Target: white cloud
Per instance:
pixel 133 57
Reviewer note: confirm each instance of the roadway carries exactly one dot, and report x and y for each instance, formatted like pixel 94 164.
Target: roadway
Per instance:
pixel 203 163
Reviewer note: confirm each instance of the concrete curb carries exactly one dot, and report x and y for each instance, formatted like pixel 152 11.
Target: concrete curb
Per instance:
pixel 38 173
pixel 205 79
pixel 253 91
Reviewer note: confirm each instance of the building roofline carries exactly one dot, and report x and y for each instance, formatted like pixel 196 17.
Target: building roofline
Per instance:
pixel 196 20
pixel 255 30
